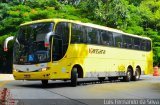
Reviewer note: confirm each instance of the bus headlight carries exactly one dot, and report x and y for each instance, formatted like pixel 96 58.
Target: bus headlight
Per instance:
pixel 14 70
pixel 17 70
pixel 45 69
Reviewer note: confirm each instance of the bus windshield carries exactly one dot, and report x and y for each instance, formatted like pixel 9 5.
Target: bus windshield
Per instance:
pixel 29 44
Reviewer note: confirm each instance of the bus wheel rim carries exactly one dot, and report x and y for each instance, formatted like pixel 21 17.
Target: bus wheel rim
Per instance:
pixel 129 75
pixel 137 75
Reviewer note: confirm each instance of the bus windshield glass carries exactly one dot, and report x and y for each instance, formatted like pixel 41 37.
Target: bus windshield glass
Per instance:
pixel 29 44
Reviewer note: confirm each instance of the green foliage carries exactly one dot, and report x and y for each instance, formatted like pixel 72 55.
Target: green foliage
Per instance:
pixel 141 17
pixel 3 10
pixel 156 55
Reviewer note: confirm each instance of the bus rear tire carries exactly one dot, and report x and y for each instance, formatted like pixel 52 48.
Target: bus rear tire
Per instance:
pixel 74 76
pixel 44 83
pixel 128 76
pixel 137 75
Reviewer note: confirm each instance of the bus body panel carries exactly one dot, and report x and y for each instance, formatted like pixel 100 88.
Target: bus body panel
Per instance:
pixel 95 61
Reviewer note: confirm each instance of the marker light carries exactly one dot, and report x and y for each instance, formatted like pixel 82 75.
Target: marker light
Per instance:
pixel 46 45
pixel 5 49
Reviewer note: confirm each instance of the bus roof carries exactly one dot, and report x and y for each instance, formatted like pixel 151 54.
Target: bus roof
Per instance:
pixel 85 24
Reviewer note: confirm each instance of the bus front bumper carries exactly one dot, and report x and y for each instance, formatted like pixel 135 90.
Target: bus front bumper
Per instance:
pixel 44 75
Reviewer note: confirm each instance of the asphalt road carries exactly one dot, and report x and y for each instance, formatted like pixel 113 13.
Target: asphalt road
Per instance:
pixel 88 92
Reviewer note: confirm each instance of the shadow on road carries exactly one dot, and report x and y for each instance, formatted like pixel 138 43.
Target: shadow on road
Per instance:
pixel 63 84
pixel 57 84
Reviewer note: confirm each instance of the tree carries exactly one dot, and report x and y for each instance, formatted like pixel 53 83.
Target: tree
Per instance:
pixel 141 17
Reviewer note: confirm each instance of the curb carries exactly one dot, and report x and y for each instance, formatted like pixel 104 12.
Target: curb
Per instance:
pixel 6 77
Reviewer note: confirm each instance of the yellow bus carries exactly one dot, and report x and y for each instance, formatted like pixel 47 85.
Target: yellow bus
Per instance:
pixel 60 49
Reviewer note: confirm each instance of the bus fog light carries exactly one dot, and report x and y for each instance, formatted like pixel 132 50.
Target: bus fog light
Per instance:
pixel 44 69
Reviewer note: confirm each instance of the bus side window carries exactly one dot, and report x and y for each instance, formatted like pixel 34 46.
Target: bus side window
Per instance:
pixel 93 35
pixel 136 43
pixel 148 45
pixel 57 49
pixel 143 45
pixel 62 35
pixel 127 42
pixel 117 40
pixel 106 38
pixel 77 34
pixel 62 30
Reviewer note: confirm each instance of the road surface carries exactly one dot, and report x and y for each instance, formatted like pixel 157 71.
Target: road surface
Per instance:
pixel 88 92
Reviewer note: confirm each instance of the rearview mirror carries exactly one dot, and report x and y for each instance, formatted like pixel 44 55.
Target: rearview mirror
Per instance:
pixel 5 48
pixel 47 37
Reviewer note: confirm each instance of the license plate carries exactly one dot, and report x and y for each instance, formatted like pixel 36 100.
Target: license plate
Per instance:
pixel 27 76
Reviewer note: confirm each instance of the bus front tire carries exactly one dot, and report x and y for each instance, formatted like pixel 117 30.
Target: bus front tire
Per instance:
pixel 44 83
pixel 74 76
pixel 101 79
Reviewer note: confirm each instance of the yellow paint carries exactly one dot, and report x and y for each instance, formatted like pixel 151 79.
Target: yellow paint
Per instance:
pixel 121 67
pixel 4 83
pixel 92 59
